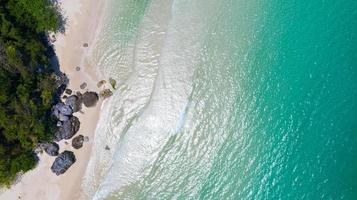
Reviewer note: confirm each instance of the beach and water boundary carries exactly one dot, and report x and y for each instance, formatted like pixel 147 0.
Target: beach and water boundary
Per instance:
pixel 262 95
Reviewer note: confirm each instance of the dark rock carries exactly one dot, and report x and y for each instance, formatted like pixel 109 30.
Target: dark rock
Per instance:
pixel 68 91
pixel 107 148
pixel 78 69
pixel 90 99
pixel 85 45
pixel 64 161
pixel 86 139
pixel 61 89
pixel 74 102
pixel 83 85
pixel 50 148
pixel 62 111
pixel 65 109
pixel 79 94
pixel 77 142
pixel 106 93
pixel 64 97
pixel 68 129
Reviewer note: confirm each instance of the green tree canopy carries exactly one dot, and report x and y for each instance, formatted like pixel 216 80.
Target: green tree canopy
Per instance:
pixel 27 87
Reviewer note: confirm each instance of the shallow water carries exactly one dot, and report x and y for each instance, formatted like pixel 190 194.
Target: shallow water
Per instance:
pixel 227 100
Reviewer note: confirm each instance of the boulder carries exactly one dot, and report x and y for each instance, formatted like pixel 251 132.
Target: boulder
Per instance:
pixel 106 93
pixel 61 110
pixel 90 99
pixel 77 142
pixel 64 161
pixel 85 45
pixel 50 148
pixel 68 91
pixel 83 85
pixel 68 129
pixel 74 102
pixel 78 69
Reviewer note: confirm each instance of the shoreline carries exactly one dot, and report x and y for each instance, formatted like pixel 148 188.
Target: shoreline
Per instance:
pixel 41 183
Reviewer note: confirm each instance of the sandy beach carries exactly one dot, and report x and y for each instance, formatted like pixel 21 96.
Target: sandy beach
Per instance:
pixel 83 18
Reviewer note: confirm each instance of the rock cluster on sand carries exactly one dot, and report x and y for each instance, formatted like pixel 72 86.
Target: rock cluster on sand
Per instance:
pixel 77 142
pixel 106 92
pixel 63 162
pixel 68 125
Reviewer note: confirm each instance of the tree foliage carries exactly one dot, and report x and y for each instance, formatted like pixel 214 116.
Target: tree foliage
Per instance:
pixel 26 86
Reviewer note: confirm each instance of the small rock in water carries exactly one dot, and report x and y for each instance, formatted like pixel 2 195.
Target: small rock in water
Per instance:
pixel 83 85
pixel 68 91
pixel 101 83
pixel 113 83
pixel 64 161
pixel 59 123
pixel 106 93
pixel 85 45
pixel 78 69
pixel 90 99
pixel 77 142
pixel 107 148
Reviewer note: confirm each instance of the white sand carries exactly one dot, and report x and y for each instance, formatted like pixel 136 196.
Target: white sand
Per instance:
pixel 82 20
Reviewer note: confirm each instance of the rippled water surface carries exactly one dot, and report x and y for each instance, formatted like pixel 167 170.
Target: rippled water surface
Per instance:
pixel 227 99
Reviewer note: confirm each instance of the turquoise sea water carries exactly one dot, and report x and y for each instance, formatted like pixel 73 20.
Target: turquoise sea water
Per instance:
pixel 229 99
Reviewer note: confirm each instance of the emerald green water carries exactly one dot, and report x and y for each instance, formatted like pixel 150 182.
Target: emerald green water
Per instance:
pixel 271 112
